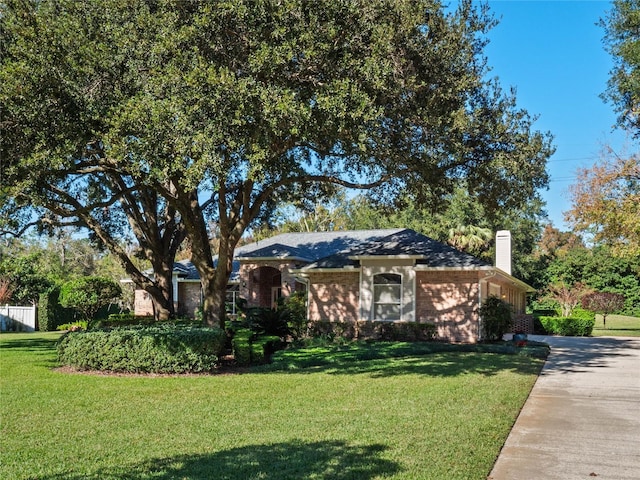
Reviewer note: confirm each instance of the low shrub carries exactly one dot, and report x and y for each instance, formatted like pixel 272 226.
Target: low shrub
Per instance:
pixel 582 314
pixel 365 330
pixel 144 349
pixel 296 305
pixel 241 345
pixel 252 349
pixel 267 321
pixel 122 320
pixel 330 331
pixel 568 326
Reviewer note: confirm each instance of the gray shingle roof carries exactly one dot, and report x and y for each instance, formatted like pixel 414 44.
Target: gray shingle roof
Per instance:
pixel 311 245
pixel 185 269
pixel 403 242
pixel 338 249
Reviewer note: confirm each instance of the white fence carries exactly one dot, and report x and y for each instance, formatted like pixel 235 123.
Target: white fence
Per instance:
pixel 17 319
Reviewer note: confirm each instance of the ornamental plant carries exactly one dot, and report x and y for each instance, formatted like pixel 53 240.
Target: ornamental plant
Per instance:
pixel 87 295
pixel 497 318
pixel 603 303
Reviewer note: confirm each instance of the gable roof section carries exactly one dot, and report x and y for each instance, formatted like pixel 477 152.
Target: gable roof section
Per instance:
pixel 310 246
pixel 185 270
pixel 401 243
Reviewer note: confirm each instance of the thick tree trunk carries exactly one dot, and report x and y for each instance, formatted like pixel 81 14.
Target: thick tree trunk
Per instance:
pixel 163 307
pixel 161 310
pixel 215 293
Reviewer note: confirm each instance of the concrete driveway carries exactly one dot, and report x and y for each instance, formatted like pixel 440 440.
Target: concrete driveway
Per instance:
pixel 582 418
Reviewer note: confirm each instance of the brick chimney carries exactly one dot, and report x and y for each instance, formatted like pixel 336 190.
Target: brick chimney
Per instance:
pixel 503 250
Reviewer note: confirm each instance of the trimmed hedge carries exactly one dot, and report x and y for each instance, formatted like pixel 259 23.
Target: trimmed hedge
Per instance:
pixel 568 326
pixel 50 313
pixel 365 330
pixel 122 320
pixel 156 349
pixel 251 349
pixel 241 345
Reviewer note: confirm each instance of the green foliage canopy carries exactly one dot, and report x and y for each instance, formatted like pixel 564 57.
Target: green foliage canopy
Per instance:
pixel 622 41
pixel 225 109
pixel 600 270
pixel 25 276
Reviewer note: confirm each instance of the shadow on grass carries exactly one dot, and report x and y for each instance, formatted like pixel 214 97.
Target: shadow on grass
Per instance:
pixel 21 341
pixel 433 365
pixel 291 460
pixel 33 348
pixel 380 359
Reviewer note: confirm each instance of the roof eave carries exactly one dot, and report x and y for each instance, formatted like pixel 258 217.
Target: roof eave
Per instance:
pixel 528 288
pixel 386 257
pixel 305 270
pixel 466 268
pixel 272 259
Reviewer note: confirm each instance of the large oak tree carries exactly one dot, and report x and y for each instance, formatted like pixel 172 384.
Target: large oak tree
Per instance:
pixel 225 109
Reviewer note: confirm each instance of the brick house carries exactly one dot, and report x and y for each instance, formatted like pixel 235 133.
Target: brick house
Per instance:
pixel 394 275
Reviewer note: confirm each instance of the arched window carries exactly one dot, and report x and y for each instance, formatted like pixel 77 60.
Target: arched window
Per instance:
pixel 387 296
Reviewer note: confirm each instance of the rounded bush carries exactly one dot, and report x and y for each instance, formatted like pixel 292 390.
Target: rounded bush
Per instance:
pixel 144 349
pixel 569 326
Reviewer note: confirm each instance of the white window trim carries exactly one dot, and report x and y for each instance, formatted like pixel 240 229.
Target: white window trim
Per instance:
pixel 399 303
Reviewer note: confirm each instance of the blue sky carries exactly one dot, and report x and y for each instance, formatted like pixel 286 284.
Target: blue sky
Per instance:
pixel 552 52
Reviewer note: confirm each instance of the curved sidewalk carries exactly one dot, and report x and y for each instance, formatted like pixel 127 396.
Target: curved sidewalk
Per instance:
pixel 582 418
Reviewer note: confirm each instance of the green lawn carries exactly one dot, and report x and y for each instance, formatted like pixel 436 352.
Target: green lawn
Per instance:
pixel 617 326
pixel 440 415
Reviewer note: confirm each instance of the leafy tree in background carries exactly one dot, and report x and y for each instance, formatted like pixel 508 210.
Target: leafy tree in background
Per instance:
pixel 88 294
pixel 606 203
pixel 35 265
pixel 622 41
pixel 568 296
pixel 555 243
pixel 26 277
pixel 6 291
pixel 225 110
pixel 599 270
pixel 603 303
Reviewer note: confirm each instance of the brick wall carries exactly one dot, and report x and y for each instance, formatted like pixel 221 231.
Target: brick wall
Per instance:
pixel 450 301
pixel 334 296
pixel 142 305
pixel 189 298
pixel 523 323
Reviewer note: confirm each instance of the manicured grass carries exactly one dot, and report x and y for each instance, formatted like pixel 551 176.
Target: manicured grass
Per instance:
pixel 439 415
pixel 617 326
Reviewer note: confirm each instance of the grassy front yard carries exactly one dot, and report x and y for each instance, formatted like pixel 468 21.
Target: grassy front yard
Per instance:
pixel 441 415
pixel 617 326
